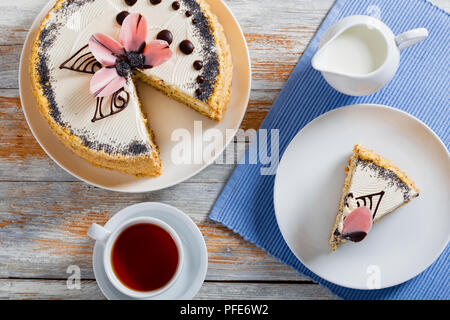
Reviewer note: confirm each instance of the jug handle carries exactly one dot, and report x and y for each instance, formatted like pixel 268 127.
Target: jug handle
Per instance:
pixel 411 37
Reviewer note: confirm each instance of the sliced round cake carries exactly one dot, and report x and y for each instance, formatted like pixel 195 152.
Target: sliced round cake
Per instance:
pixel 88 54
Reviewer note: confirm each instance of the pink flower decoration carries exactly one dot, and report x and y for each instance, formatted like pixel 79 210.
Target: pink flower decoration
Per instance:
pixel 119 59
pixel 357 224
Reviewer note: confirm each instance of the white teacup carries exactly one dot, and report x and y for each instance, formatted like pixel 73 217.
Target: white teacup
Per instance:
pixel 109 237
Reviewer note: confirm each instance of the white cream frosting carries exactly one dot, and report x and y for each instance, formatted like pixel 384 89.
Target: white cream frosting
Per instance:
pixel 71 89
pixel 387 190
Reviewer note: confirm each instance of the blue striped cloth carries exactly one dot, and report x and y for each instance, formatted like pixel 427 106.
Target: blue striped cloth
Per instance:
pixel 420 87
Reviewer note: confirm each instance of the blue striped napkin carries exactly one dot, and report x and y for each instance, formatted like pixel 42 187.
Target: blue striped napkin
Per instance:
pixel 420 87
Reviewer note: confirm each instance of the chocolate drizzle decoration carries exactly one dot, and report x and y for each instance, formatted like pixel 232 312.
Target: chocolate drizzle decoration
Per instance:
pixel 82 61
pixel 365 199
pixel 119 101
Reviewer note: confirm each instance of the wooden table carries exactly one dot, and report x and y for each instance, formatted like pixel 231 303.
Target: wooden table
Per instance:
pixel 45 212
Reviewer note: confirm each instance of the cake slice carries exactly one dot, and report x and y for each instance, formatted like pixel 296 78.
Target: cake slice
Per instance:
pixel 200 72
pixel 374 184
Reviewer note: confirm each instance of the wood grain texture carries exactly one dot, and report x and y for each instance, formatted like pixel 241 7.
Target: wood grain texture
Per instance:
pixel 45 212
pixel 41 235
pixel 55 290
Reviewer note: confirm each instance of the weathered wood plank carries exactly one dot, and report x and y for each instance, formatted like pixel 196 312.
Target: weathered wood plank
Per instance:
pixel 17 17
pixel 48 290
pixel 263 291
pixel 57 289
pixel 9 66
pixel 43 230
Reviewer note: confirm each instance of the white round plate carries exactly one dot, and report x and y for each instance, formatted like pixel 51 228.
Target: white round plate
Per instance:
pixel 195 253
pixel 166 115
pixel 309 183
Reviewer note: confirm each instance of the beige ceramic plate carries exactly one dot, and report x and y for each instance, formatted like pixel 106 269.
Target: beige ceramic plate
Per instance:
pixel 309 183
pixel 166 116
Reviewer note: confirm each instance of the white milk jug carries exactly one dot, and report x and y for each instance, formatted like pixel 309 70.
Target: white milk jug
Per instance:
pixel 359 55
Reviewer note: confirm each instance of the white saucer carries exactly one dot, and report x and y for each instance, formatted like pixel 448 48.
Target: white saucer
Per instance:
pixel 164 120
pixel 195 253
pixel 309 183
